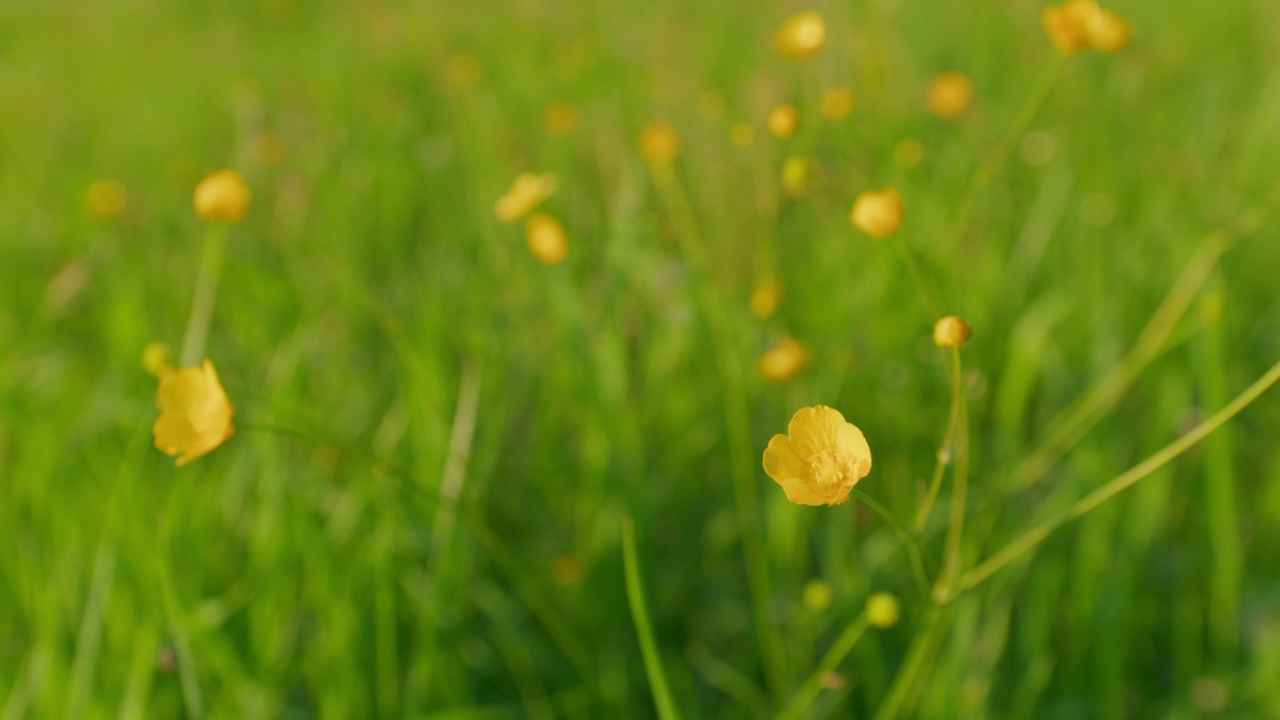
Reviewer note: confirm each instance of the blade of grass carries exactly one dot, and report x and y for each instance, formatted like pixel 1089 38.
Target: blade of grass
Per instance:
pixel 644 632
pixel 835 655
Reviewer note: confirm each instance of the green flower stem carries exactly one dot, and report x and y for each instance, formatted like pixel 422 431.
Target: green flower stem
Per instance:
pixel 835 655
pixel 644 631
pixel 959 495
pixel 917 277
pixel 193 341
pixel 905 691
pixel 1121 483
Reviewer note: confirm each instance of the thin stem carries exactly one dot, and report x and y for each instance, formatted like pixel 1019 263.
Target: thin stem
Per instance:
pixel 1123 482
pixel 644 631
pixel 908 539
pixel 193 340
pixel 917 277
pixel 959 495
pixel 835 655
pixel 924 649
pixel 946 456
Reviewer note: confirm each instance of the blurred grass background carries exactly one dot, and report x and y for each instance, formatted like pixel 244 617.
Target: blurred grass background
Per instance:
pixel 384 338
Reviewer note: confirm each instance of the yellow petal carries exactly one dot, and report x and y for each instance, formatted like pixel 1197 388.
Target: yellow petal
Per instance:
pixel 781 462
pixel 815 430
pixel 853 442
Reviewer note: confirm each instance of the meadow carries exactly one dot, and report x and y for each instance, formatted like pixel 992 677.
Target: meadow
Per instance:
pixel 488 469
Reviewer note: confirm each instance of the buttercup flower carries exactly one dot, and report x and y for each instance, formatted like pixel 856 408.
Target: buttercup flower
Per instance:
pixel 783 121
pixel 883 610
pixel 526 193
pixel 878 214
pixel 1108 32
pixel 801 36
pixel 783 361
pixel 659 144
pixel 546 238
pixel 949 95
pixel 107 197
pixel 223 196
pixel 765 299
pixel 795 175
pixel 195 413
pixel 560 118
pixel 951 332
pixel 1067 25
pixel 820 459
pixel 837 103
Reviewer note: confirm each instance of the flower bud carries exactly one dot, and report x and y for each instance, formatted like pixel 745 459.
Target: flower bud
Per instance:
pixel 546 238
pixel 783 121
pixel 949 95
pixel 878 214
pixel 951 332
pixel 224 196
pixel 883 610
pixel 659 144
pixel 801 36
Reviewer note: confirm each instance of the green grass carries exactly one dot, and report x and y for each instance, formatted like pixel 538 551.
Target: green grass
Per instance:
pixel 439 439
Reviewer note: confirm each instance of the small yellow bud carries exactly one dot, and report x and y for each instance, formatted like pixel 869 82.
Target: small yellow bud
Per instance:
pixel 224 196
pixel 909 153
pixel 560 118
pixel 837 103
pixel 742 135
pixel 949 95
pixel 783 121
pixel 546 238
pixel 878 214
pixel 883 610
pixel 659 144
pixel 783 361
pixel 527 192
pixel 801 35
pixel 765 299
pixel 795 176
pixel 951 332
pixel 816 595
pixel 1108 32
pixel 155 357
pixel 107 198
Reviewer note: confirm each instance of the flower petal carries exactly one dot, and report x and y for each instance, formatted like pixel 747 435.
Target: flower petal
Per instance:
pixel 815 430
pixel 781 462
pixel 853 442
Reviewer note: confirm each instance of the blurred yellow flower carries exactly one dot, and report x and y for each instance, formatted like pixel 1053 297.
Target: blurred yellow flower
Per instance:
pixel 560 118
pixel 816 594
pixel 951 332
pixel 883 610
pixel 463 70
pixel 546 238
pixel 1067 25
pixel 1108 32
pixel 742 135
pixel 783 361
pixel 195 413
pixel 156 356
pixel 949 95
pixel 878 214
pixel 795 175
pixel 223 195
pixel 801 35
pixel 659 144
pixel 837 103
pixel 820 459
pixel 765 299
pixel 908 153
pixel 107 197
pixel 527 192
pixel 783 121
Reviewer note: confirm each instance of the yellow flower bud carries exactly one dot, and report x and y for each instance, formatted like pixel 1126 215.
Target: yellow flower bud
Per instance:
pixel 195 413
pixel 659 144
pixel 883 610
pixel 878 214
pixel 783 121
pixel 837 103
pixel 951 332
pixel 527 192
pixel 560 118
pixel 816 595
pixel 224 196
pixel 546 238
pixel 107 198
pixel 156 357
pixel 801 35
pixel 1108 32
pixel 820 458
pixel 742 135
pixel 765 299
pixel 795 175
pixel 949 95
pixel 783 361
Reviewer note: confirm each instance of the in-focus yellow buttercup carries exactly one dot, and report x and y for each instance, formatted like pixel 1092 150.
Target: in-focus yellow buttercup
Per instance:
pixel 527 192
pixel 659 144
pixel 195 413
pixel 223 196
pixel 801 36
pixel 820 458
pixel 878 214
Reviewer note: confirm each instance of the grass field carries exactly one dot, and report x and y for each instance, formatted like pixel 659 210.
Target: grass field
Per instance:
pixel 467 484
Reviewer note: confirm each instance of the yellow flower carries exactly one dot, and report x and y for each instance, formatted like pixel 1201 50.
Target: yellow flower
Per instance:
pixel 107 197
pixel 795 175
pixel 783 121
pixel 765 299
pixel 783 361
pixel 546 238
pixel 1108 32
pixel 659 144
pixel 820 459
pixel 878 214
pixel 909 153
pixel 742 135
pixel 560 118
pixel 801 36
pixel 883 610
pixel 1067 25
pixel 837 103
pixel 949 95
pixel 195 413
pixel 816 594
pixel 156 357
pixel 527 192
pixel 224 196
pixel 951 332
